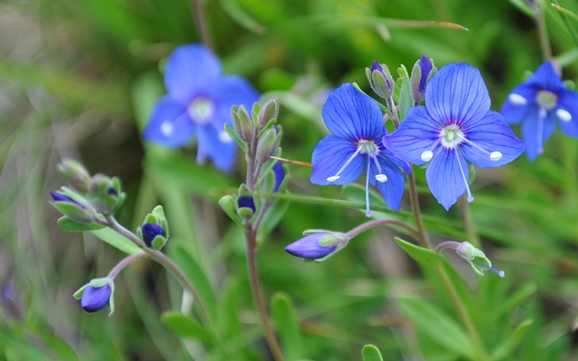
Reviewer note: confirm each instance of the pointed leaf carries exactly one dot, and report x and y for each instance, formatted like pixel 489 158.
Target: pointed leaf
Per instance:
pixel 504 351
pixel 287 326
pixel 405 99
pixel 116 240
pixel 185 326
pixel 423 256
pixel 69 224
pixel 371 353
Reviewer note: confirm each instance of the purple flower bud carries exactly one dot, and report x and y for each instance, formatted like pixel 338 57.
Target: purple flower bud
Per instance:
pixel 246 202
pixel 279 175
pixel 150 231
pixel 426 67
pixel 318 245
pixel 380 79
pixel 95 298
pixel 62 198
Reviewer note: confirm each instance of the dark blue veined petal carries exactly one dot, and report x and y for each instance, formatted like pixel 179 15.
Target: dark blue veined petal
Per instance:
pixel 535 132
pixel 520 103
pixel 191 70
pixel 567 112
pixel 546 78
pixel 330 155
pixel 487 136
pixel 233 90
pixel 217 146
pixel 457 93
pixel 392 189
pixel 170 124
pixel 95 298
pixel 309 247
pixel 352 115
pixel 444 177
pixel 417 134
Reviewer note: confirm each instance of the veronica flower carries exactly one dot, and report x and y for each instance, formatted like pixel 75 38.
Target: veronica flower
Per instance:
pixel 540 103
pixel 356 123
pixel 198 104
pixel 455 127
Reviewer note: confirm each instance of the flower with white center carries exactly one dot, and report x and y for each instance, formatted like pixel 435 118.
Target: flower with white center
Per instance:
pixel 356 123
pixel 198 103
pixel 453 128
pixel 538 104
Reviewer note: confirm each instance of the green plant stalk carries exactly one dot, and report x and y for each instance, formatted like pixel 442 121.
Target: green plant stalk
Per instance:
pixel 202 28
pixel 540 20
pixel 379 222
pixel 481 353
pixel 469 224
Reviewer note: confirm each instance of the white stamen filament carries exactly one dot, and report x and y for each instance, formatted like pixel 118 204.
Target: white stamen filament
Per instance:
pixel 564 115
pixel 495 155
pixel 540 133
pixel 517 99
pixel 470 197
pixel 380 177
pixel 427 155
pixel 367 210
pixel 336 176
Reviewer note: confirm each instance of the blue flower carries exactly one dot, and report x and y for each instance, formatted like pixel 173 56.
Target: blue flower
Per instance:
pixel 318 245
pixel 355 145
pixel 198 103
pixel 455 127
pixel 150 231
pixel 540 103
pixel 95 298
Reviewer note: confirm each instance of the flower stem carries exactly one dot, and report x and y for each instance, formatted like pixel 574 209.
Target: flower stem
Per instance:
pixel 469 224
pixel 125 261
pixel 542 30
pixel 202 28
pixel 413 197
pixel 378 222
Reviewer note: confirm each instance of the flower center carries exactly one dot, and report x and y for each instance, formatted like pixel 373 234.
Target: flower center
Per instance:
pixel 201 110
pixel 451 136
pixel 368 146
pixel 547 100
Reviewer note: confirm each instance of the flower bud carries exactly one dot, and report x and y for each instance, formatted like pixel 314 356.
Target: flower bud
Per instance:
pixel 268 144
pixel 155 229
pixel 268 112
pixel 96 294
pixel 105 194
pixel 246 207
pixel 380 79
pixel 420 74
pixel 74 175
pixel 243 124
pixel 319 245
pixel 476 258
pixel 150 232
pixel 279 175
pixel 83 213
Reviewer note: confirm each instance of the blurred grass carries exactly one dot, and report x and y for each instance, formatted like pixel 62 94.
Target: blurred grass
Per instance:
pixel 69 72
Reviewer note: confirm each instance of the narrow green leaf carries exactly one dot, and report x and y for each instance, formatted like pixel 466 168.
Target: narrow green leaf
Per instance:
pixel 287 325
pixel 233 134
pixel 271 219
pixel 423 256
pixel 236 12
pixel 116 240
pixel 504 351
pixel 438 326
pixel 69 224
pixel 196 274
pixel 371 353
pixel 185 326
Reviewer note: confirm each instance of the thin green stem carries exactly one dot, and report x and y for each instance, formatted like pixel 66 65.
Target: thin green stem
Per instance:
pixel 379 222
pixel 469 224
pixel 542 30
pixel 202 28
pixel 413 198
pixel 125 262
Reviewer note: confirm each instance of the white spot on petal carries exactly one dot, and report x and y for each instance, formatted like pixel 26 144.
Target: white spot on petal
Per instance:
pixel 224 137
pixel 381 178
pixel 564 115
pixel 167 128
pixel 333 179
pixel 495 156
pixel 517 99
pixel 427 155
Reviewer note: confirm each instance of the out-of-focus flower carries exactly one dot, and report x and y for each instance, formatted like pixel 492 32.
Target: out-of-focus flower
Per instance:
pixel 455 127
pixel 356 124
pixel 540 103
pixel 198 104
pixel 319 245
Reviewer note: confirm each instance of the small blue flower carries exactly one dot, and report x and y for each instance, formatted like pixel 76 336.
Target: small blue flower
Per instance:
pixel 95 298
pixel 540 103
pixel 150 231
pixel 455 127
pixel 318 245
pixel 198 103
pixel 340 158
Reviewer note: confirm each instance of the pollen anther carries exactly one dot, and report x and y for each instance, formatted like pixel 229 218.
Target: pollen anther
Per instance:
pixel 167 128
pixel 564 115
pixel 427 155
pixel 333 178
pixel 381 178
pixel 495 156
pixel 517 99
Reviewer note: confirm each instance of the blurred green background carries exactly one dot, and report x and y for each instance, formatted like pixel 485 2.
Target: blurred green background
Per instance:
pixel 78 80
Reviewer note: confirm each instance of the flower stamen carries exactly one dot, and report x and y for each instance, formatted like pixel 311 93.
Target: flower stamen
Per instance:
pixel 564 115
pixel 517 99
pixel 201 110
pixel 495 155
pixel 490 268
pixel 540 133
pixel 367 210
pixel 470 197
pixel 337 176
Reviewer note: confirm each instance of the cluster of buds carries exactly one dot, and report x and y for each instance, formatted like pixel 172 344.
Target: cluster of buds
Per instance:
pixel 85 196
pixel 154 231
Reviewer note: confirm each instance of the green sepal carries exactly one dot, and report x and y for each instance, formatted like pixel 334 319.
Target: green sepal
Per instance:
pixel 229 206
pixel 150 218
pixel 255 110
pixel 100 282
pixel 159 212
pixel 405 97
pixel 268 113
pixel 75 211
pixel 78 294
pixel 311 231
pixel 231 132
pixel 371 353
pixel 158 242
pixel 245 213
pixel 474 256
pixel 74 174
pixel 71 225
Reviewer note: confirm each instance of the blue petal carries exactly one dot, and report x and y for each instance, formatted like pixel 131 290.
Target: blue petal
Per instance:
pixel 246 202
pixel 534 142
pixel 233 90
pixel 393 188
pixel 568 101
pixel 278 175
pixel 416 134
pixel 329 155
pixel 352 115
pixel 491 133
pixel 150 231
pixel 170 124
pixel 444 177
pixel 211 145
pixel 94 299
pixel 191 70
pixel 516 113
pixel 457 93
pixel 309 247
pixel 546 78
